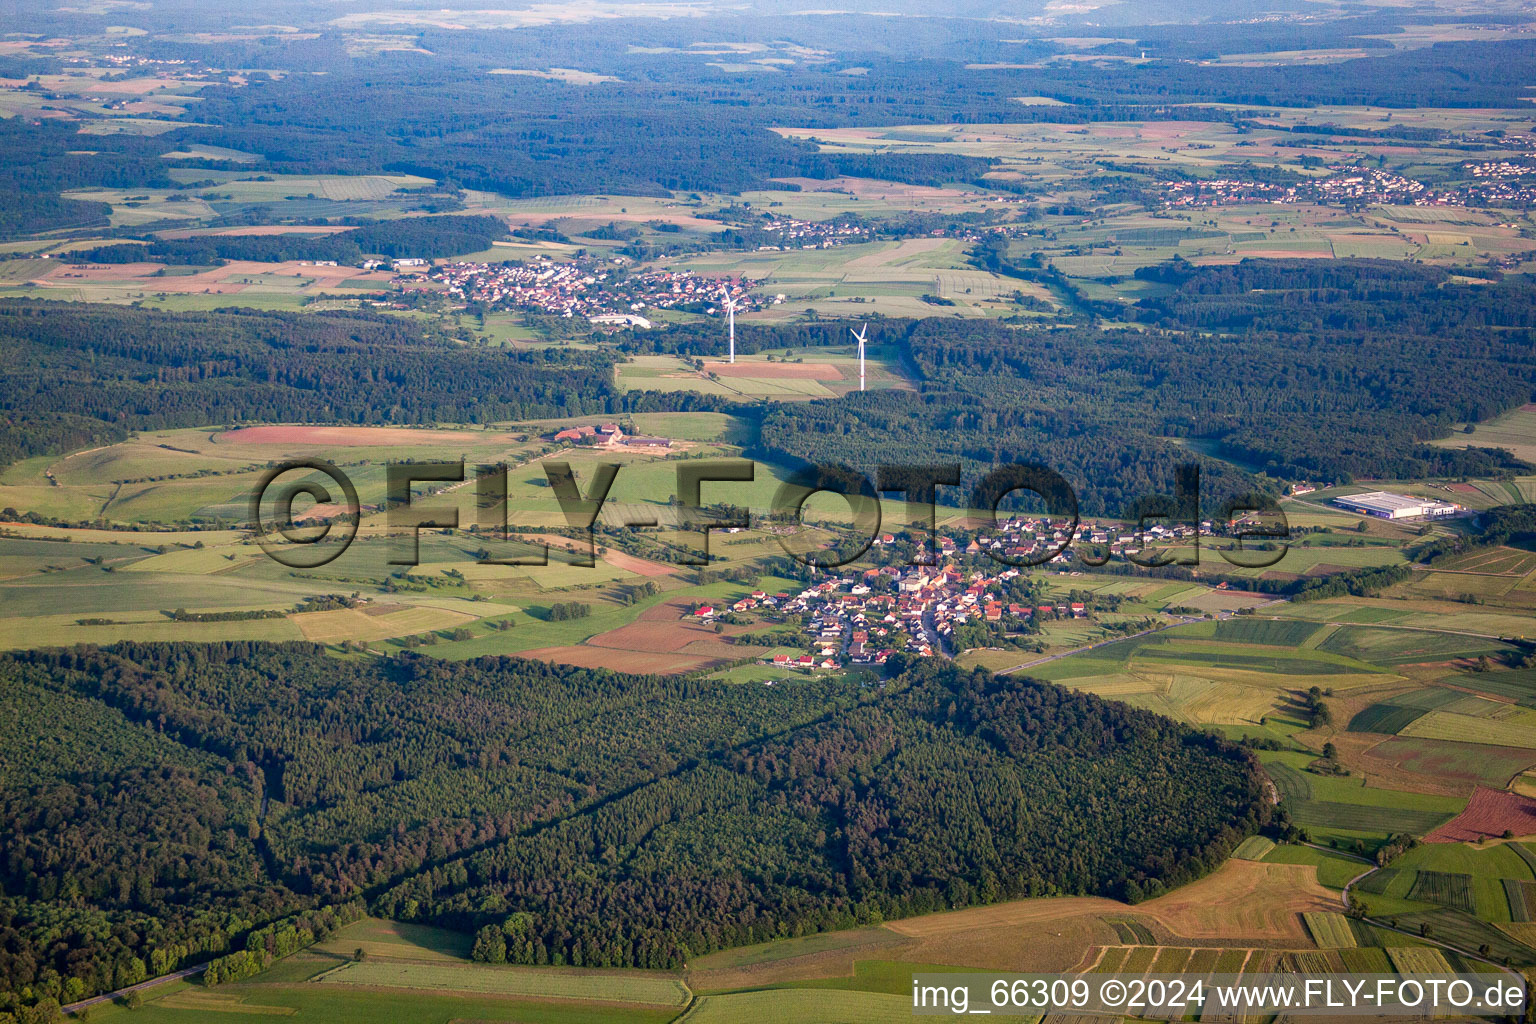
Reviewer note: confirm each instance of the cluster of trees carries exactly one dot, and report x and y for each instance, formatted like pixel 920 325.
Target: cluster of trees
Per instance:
pixel 280 939
pixel 245 615
pixel 932 169
pixel 122 855
pixel 634 819
pixel 423 237
pixel 26 432
pixel 679 125
pixel 1357 583
pixel 1110 465
pixel 1317 711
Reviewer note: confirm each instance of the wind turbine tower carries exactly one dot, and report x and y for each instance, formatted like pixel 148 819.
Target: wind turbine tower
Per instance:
pixel 730 319
pixel 859 334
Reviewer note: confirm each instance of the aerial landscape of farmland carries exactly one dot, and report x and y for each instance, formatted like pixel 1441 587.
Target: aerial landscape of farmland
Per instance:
pixel 706 513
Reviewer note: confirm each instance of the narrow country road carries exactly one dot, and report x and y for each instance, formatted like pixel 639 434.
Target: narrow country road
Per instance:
pixel 107 997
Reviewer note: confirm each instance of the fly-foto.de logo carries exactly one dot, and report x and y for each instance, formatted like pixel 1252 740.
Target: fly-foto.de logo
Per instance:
pixel 1157 530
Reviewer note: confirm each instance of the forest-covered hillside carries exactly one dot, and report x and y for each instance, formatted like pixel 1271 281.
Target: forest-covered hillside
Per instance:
pixel 1302 369
pixel 74 374
pixel 160 799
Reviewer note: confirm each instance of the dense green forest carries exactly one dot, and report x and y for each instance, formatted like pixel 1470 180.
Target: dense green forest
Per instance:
pixel 75 373
pixel 613 819
pixel 421 237
pixel 1299 369
pixel 682 126
pixel 673 122
pixel 40 159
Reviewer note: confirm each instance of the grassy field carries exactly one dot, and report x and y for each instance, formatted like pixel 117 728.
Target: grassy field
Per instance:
pixel 1411 961
pixel 783 949
pixel 800 1005
pixel 1330 931
pixel 177 475
pixel 1515 431
pixel 791 375
pixel 1391 647
pixel 1253 848
pixel 416 973
pixel 1443 888
pixel 1232 672
pixel 1334 870
pixel 526 982
pixel 398 939
pixel 1345 810
pixel 1461 877
pixel 1516 729
pixel 259 1003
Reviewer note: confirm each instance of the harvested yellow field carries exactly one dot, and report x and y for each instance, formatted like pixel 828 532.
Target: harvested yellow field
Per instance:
pixel 1330 930
pixel 1520 931
pixel 355 624
pixel 1119 685
pixel 1197 694
pixel 1233 704
pixel 1018 913
pixel 206 561
pixel 1042 934
pixel 1244 900
pixel 1419 960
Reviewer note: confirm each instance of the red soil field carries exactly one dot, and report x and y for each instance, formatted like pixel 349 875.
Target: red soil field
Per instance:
pixel 666 628
pixel 776 371
pixel 664 639
pixel 98 271
pixel 1446 767
pixel 619 661
pixel 1489 814
pixel 343 437
pixel 681 220
pixel 322 511
pixel 273 229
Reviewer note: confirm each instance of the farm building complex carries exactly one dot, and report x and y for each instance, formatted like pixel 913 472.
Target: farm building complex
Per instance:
pixel 1386 505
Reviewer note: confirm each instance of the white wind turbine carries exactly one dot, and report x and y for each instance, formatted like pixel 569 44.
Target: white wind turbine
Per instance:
pixel 730 319
pixel 859 334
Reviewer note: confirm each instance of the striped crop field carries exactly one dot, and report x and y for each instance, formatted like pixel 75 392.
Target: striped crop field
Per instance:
pixel 1329 930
